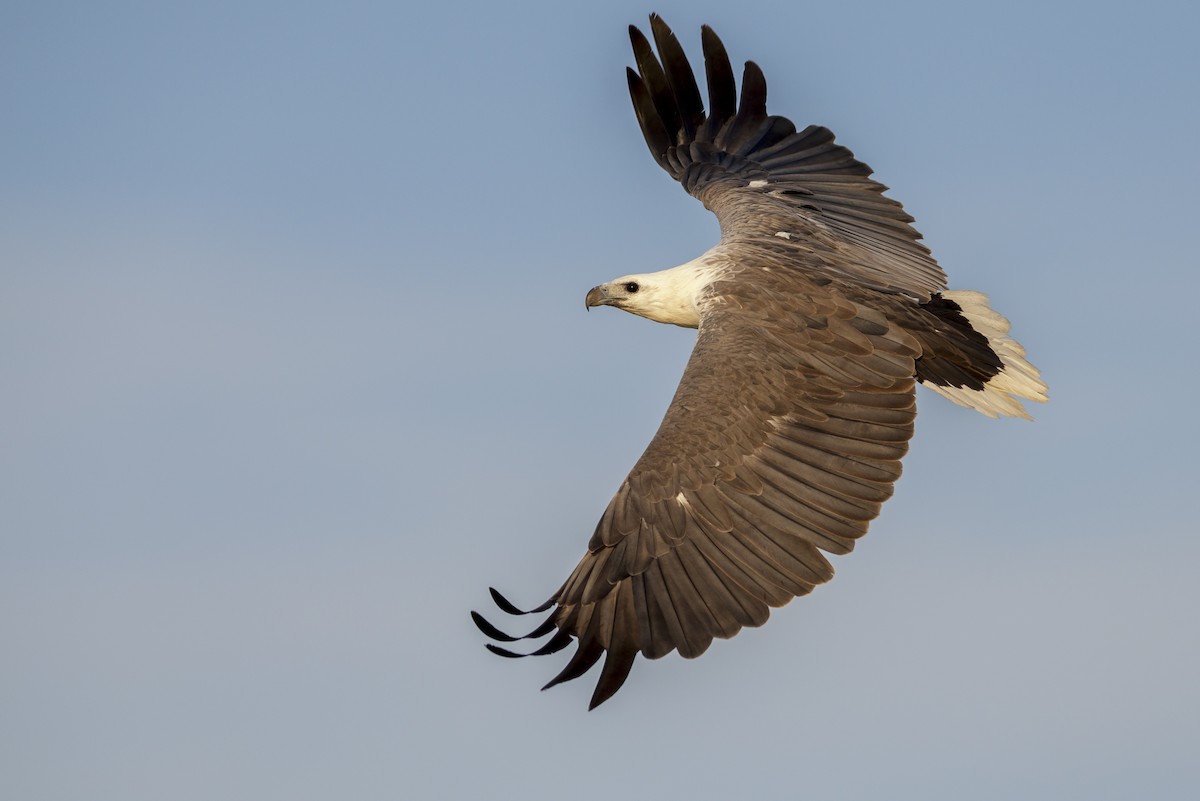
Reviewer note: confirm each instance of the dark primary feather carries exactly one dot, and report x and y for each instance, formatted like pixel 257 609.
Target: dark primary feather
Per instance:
pixel 722 91
pixel 663 102
pixel 679 76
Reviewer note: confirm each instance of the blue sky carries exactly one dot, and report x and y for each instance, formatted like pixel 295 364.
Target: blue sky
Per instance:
pixel 296 364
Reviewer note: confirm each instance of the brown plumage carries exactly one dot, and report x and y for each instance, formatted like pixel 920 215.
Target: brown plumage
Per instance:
pixel 817 313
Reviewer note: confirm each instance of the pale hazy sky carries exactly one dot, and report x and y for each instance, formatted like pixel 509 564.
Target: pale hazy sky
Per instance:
pixel 294 364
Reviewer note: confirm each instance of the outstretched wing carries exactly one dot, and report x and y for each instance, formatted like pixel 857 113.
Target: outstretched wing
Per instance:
pixel 783 440
pixel 762 178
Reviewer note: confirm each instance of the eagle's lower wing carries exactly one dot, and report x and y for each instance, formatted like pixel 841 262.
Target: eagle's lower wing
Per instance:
pixel 782 441
pixel 762 178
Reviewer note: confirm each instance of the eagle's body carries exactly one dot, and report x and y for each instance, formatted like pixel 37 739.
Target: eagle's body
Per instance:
pixel 817 313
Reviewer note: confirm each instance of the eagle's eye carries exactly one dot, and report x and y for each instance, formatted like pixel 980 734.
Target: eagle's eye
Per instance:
pixel 631 287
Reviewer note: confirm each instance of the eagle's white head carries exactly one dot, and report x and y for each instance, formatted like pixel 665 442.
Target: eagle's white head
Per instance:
pixel 668 296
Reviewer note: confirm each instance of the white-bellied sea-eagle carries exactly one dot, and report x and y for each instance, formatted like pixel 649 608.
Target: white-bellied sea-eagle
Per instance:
pixel 817 313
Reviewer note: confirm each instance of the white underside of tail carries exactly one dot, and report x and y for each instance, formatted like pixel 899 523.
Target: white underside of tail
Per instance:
pixel 1017 379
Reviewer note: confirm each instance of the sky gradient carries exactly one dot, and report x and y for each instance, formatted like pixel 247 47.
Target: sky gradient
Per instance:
pixel 296 365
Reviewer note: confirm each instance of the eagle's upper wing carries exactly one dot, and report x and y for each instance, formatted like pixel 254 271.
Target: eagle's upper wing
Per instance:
pixel 762 178
pixel 783 438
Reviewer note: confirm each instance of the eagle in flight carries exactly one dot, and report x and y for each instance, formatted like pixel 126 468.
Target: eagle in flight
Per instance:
pixel 817 313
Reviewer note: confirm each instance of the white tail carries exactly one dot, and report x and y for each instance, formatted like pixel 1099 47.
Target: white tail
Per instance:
pixel 1017 378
